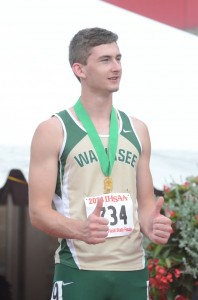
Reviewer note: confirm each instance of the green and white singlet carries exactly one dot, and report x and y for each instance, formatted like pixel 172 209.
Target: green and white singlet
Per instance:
pixel 80 176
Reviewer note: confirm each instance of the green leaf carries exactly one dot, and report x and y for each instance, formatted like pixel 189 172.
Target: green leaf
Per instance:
pixel 157 251
pixel 168 262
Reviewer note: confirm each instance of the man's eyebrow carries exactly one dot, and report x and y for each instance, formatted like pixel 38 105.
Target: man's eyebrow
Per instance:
pixel 104 56
pixel 109 56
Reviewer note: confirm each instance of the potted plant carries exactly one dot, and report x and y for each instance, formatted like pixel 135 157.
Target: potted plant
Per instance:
pixel 173 268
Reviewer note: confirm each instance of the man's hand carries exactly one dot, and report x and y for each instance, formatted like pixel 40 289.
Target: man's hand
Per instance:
pixel 159 226
pixel 96 229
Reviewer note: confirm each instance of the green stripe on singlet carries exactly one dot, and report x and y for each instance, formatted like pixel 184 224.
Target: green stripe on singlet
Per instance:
pixel 128 132
pixel 74 135
pixel 66 256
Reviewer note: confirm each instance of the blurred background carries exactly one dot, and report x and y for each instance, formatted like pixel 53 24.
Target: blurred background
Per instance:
pixel 159 44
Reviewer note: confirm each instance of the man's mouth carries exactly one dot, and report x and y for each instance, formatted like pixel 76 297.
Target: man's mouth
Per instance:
pixel 114 78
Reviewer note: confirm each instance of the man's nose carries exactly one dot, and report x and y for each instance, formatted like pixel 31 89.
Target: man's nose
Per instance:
pixel 116 65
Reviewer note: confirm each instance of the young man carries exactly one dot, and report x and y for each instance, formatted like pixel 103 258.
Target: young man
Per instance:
pixel 93 161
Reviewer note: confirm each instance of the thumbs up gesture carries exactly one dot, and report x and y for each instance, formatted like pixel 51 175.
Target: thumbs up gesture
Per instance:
pixel 96 229
pixel 160 225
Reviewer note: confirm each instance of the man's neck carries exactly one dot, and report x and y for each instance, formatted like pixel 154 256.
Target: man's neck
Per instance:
pixel 99 109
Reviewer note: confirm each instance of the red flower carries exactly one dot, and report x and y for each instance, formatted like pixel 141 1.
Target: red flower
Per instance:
pixel 177 273
pixel 160 270
pixel 155 261
pixel 169 277
pixel 150 267
pixel 172 214
pixel 180 297
pixel 150 247
pixel 186 184
pixel 153 282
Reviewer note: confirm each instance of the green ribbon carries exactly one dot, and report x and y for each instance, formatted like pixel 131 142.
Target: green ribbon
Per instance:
pixel 106 159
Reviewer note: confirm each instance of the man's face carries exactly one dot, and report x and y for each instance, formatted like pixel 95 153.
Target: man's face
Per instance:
pixel 103 69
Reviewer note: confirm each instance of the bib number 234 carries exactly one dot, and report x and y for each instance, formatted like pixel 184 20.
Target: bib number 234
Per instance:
pixel 117 208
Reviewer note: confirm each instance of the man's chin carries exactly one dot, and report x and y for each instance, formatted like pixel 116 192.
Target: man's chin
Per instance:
pixel 115 90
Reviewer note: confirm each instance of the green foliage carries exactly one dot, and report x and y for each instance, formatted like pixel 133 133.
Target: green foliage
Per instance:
pixel 173 267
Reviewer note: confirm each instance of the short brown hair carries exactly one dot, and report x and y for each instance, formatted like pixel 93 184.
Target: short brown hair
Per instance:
pixel 85 39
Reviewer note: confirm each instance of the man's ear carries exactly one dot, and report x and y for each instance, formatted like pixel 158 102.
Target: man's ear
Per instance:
pixel 78 70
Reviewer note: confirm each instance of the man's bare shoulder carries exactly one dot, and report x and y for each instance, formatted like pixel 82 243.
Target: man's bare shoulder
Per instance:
pixel 52 124
pixel 139 124
pixel 142 132
pixel 49 133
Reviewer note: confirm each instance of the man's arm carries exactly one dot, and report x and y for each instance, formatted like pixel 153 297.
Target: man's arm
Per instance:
pixel 45 148
pixel 154 225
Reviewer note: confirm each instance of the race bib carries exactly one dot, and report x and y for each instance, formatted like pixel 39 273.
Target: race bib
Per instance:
pixel 117 208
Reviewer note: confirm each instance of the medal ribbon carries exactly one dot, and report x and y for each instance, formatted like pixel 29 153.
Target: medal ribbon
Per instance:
pixel 106 159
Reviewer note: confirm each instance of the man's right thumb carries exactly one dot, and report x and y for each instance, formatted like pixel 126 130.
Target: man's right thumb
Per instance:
pixel 98 208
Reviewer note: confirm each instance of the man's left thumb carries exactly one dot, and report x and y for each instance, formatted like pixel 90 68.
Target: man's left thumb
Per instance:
pixel 158 205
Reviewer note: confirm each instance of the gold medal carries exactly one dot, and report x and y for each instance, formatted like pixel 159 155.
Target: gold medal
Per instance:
pixel 108 185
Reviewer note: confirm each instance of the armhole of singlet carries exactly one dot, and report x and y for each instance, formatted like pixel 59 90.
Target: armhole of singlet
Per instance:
pixel 135 132
pixel 64 136
pixel 132 126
